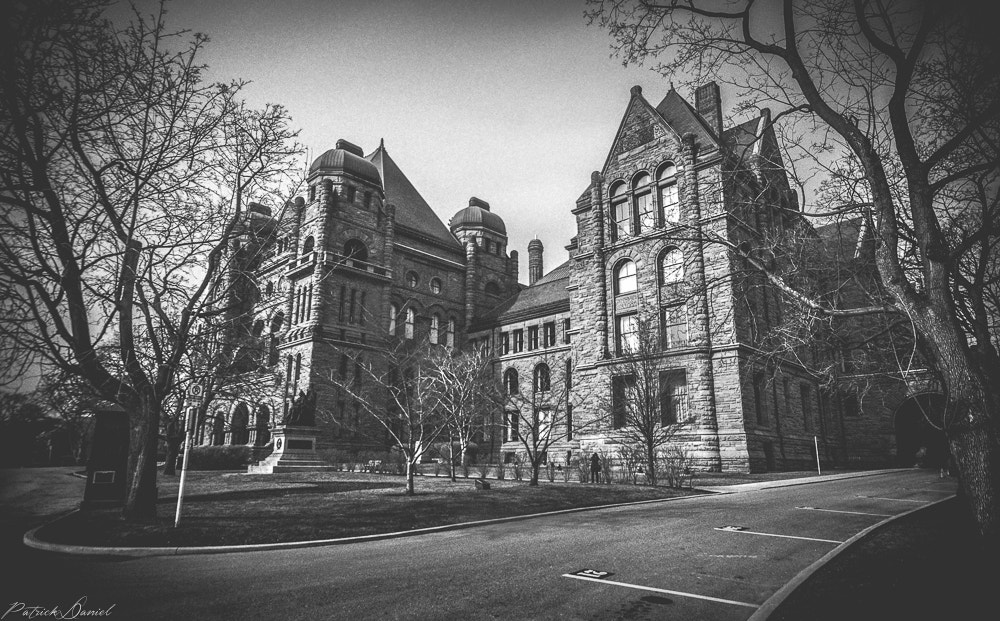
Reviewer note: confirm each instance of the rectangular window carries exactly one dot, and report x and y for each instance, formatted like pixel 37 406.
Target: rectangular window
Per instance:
pixel 532 337
pixel 513 434
pixel 805 392
pixel 623 220
pixel 670 204
pixel 343 302
pixel 504 343
pixel 627 334
pixel 674 322
pixel 569 422
pixel 518 341
pixel 549 334
pixel 644 207
pixel 622 387
pixel 673 397
pixel 566 335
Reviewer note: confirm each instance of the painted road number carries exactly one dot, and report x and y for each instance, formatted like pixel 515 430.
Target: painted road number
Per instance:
pixel 592 573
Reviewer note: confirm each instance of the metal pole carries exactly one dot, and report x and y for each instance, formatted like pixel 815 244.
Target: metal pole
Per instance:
pixel 192 412
pixel 815 443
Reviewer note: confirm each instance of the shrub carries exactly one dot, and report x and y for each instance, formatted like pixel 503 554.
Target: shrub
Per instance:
pixel 583 468
pixel 551 472
pixel 484 469
pixel 220 457
pixel 518 469
pixel 501 472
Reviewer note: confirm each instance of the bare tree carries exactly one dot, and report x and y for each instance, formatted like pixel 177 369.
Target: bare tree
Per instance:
pixel 909 94
pixel 123 177
pixel 468 394
pixel 540 415
pixel 644 413
pixel 397 388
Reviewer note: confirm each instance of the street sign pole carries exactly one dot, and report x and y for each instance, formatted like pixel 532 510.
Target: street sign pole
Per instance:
pixel 816 444
pixel 189 419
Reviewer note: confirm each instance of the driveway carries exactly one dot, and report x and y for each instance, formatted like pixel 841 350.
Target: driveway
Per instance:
pixel 710 557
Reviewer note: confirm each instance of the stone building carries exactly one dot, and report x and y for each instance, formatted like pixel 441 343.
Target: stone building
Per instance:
pixel 363 254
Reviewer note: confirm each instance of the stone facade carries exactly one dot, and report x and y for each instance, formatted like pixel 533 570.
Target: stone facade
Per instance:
pixel 656 230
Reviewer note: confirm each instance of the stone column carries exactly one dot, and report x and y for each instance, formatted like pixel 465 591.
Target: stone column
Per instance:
pixel 600 273
pixel 701 384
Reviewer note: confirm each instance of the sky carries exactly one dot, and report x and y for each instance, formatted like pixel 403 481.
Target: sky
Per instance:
pixel 515 102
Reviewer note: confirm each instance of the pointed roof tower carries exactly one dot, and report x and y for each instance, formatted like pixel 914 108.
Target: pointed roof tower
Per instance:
pixel 412 211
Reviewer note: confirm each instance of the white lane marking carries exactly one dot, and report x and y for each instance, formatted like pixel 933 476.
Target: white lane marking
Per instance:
pixel 896 499
pixel 654 590
pixel 851 512
pixel 936 491
pixel 751 532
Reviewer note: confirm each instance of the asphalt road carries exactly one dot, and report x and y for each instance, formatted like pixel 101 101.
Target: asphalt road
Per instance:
pixel 664 560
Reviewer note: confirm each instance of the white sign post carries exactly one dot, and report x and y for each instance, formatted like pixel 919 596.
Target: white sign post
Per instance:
pixel 816 444
pixel 192 412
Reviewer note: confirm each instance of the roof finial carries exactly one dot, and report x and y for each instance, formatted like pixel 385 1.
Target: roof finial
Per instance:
pixel 381 143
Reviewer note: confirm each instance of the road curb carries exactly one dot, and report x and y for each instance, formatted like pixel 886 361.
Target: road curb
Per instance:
pixel 771 604
pixel 32 541
pixel 754 487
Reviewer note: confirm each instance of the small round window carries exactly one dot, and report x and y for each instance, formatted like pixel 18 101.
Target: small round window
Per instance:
pixel 412 280
pixel 436 285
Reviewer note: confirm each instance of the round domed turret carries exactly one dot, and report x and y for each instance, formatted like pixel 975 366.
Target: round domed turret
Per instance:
pixel 346 158
pixel 478 215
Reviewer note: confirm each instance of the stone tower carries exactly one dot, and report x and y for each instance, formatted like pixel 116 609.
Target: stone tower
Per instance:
pixel 491 274
pixel 337 279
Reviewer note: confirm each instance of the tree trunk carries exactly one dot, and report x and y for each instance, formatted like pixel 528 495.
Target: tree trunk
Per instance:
pixel 535 467
pixel 173 451
pixel 977 458
pixel 651 464
pixel 409 477
pixel 140 499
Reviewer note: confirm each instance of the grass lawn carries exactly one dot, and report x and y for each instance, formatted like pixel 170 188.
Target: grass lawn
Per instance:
pixel 234 508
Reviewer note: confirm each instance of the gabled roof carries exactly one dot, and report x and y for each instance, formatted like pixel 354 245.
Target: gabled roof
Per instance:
pixel 547 292
pixel 412 211
pixel 673 113
pixel 683 118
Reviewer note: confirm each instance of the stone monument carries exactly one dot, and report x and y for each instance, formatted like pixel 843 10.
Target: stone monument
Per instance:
pixel 295 440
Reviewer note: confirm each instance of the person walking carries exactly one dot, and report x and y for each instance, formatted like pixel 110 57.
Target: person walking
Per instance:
pixel 595 468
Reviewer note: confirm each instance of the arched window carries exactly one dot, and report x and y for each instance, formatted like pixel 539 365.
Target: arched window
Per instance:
pixel 269 288
pixel 621 210
pixel 308 246
pixel 435 328
pixel 666 179
pixel 258 327
pixel 393 313
pixel 643 200
pixel 277 320
pixel 239 432
pixel 411 319
pixel 355 249
pixel 412 279
pixel 492 289
pixel 449 338
pixel 435 285
pixel 625 278
pixel 542 379
pixel 671 266
pixel 510 382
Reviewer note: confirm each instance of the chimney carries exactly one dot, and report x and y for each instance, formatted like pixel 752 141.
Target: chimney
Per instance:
pixel 350 147
pixel 708 103
pixel 513 267
pixel 478 202
pixel 534 261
